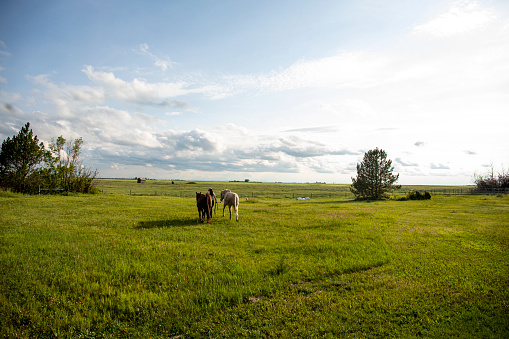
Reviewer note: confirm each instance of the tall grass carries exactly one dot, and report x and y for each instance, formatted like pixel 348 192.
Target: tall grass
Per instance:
pixel 142 266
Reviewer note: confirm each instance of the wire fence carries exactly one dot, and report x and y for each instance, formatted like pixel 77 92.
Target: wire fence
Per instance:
pixel 323 194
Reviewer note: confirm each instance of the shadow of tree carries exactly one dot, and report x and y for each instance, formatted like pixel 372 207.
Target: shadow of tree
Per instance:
pixel 166 223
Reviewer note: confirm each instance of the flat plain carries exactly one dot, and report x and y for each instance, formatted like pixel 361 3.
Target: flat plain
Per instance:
pixel 134 262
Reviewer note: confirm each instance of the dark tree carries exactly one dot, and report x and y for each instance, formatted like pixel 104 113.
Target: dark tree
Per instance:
pixel 374 176
pixel 19 159
pixel 490 181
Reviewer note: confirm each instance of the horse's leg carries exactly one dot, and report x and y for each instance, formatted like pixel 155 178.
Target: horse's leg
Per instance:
pixel 209 212
pixel 230 209
pixel 224 206
pixel 237 212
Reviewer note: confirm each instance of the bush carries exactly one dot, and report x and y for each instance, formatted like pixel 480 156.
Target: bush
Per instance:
pixel 416 195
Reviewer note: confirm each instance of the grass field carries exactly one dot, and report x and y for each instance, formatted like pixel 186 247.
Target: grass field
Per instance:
pixel 249 189
pixel 140 266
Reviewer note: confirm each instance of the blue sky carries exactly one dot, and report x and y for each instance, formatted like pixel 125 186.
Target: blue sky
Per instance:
pixel 292 91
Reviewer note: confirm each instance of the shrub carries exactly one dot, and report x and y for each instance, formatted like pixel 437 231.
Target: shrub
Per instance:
pixel 416 195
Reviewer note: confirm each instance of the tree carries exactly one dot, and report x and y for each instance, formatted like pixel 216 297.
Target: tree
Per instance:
pixel 19 159
pixel 65 168
pixel 374 176
pixel 492 182
pixel 26 166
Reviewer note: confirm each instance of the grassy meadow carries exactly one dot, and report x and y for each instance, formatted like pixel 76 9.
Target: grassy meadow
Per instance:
pixel 138 264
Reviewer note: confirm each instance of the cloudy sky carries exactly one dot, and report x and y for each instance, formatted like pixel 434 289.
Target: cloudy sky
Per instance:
pixel 292 91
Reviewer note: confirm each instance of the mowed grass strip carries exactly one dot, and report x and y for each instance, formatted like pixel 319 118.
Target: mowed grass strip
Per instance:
pixel 142 266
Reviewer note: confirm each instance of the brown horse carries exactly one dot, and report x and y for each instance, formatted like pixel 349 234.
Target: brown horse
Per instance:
pixel 214 201
pixel 204 204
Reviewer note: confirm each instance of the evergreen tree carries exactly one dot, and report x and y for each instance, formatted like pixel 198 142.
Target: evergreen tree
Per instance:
pixel 19 159
pixel 374 176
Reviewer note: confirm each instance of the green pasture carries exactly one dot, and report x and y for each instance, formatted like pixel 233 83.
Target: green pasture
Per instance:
pixel 187 189
pixel 120 265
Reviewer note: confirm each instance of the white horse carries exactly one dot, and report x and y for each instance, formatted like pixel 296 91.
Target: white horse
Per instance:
pixel 230 199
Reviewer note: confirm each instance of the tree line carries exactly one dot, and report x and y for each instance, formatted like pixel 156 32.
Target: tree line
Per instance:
pixel 26 166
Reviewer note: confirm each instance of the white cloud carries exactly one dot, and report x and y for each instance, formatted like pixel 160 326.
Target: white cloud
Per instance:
pixel 343 70
pixel 163 64
pixel 2 79
pixel 462 17
pixel 140 91
pixel 439 166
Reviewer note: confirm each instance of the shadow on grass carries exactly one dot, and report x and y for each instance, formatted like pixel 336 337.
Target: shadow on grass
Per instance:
pixel 166 223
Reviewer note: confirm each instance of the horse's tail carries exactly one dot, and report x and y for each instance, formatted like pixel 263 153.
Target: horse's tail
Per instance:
pixel 237 207
pixel 236 203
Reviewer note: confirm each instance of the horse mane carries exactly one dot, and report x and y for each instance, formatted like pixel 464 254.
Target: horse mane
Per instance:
pixel 224 192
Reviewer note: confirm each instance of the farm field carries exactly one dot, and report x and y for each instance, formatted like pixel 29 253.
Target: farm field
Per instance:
pixel 138 264
pixel 250 189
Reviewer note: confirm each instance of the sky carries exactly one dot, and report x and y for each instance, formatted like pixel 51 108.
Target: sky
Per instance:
pixel 273 91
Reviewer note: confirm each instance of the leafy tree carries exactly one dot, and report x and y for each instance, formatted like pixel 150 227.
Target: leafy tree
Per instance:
pixel 65 168
pixel 374 176
pixel 19 159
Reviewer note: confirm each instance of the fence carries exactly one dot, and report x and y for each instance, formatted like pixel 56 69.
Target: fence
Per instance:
pixel 469 191
pixel 49 190
pixel 323 195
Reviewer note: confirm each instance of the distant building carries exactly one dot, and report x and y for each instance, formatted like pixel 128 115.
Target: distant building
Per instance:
pixel 141 180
